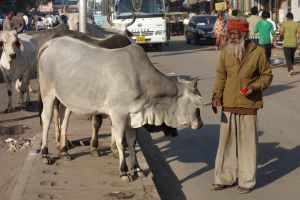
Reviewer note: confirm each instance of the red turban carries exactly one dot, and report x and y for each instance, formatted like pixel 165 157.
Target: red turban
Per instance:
pixel 237 25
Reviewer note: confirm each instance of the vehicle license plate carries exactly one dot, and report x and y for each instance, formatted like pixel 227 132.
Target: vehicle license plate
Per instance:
pixel 140 39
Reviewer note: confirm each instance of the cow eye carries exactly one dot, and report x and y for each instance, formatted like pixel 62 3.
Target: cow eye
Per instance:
pixel 1 44
pixel 18 44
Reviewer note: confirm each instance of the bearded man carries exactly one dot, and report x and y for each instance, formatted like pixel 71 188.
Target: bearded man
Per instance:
pixel 242 73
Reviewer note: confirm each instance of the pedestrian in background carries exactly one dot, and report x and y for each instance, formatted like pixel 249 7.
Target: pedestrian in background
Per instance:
pixel 26 20
pixel 289 30
pixel 219 31
pixel 242 73
pixel 7 21
pixel 265 30
pixel 252 20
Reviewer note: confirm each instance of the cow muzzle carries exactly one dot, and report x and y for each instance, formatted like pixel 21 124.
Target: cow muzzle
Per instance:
pixel 13 56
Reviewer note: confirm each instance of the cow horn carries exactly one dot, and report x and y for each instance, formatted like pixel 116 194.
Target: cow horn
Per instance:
pixel 64 9
pixel 109 19
pixel 133 19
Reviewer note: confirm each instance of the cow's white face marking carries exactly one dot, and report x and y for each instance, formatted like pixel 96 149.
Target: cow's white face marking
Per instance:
pixel 10 44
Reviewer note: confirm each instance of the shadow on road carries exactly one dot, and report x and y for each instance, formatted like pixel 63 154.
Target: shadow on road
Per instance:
pixel 279 88
pixel 276 162
pixel 200 146
pixel 166 182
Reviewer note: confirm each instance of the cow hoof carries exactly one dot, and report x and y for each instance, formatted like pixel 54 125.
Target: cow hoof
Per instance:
pixel 95 153
pixel 47 160
pixel 23 108
pixel 69 144
pixel 8 110
pixel 65 156
pixel 139 172
pixel 127 178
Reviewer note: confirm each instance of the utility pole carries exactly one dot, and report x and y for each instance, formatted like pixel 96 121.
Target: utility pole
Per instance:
pixel 82 15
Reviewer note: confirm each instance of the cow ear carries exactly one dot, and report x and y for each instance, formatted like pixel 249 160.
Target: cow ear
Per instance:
pixel 197 100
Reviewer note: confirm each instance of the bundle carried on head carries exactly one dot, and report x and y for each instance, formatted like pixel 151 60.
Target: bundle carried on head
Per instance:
pixel 238 24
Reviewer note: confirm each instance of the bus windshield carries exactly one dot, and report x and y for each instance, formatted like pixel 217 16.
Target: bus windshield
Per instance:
pixel 142 8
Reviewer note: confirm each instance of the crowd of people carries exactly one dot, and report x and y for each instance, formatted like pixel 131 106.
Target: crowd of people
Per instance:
pixel 262 31
pixel 21 22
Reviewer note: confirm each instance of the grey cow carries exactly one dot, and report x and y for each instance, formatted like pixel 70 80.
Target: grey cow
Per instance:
pixel 129 89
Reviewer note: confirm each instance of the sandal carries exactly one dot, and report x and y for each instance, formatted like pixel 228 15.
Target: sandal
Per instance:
pixel 215 186
pixel 243 190
pixel 291 72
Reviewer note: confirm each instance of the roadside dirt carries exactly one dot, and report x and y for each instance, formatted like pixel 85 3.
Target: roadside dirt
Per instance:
pixel 14 125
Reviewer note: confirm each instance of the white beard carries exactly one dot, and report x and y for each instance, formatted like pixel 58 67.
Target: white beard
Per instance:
pixel 237 48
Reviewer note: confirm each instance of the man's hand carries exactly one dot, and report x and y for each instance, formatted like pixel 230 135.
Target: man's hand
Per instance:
pixel 248 91
pixel 216 102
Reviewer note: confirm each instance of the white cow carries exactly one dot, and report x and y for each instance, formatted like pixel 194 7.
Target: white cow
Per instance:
pixel 18 61
pixel 128 89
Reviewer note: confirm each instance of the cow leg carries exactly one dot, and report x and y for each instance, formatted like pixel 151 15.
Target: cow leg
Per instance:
pixel 97 121
pixel 61 111
pixel 24 89
pixel 131 141
pixel 63 151
pixel 28 103
pixel 113 147
pixel 56 121
pixel 46 119
pixel 18 85
pixel 118 131
pixel 9 93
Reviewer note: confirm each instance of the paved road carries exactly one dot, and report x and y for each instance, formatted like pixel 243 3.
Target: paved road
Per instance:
pixel 191 155
pixel 183 166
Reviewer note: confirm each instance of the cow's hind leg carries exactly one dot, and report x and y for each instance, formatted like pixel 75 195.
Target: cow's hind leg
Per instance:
pixel 61 113
pixel 62 150
pixel 56 121
pixel 46 119
pixel 113 147
pixel 118 131
pixel 97 121
pixel 131 141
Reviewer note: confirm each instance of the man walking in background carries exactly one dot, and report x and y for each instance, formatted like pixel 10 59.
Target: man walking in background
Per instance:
pixel 242 73
pixel 265 29
pixel 252 20
pixel 289 30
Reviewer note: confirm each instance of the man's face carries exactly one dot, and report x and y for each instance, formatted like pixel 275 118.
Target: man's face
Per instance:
pixel 235 36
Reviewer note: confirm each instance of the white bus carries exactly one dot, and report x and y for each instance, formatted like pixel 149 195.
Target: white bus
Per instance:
pixel 149 27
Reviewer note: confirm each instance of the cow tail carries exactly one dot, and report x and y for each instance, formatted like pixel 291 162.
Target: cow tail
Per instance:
pixel 40 106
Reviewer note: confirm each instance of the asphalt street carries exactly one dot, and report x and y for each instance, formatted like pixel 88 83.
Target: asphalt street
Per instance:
pixel 191 155
pixel 182 167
